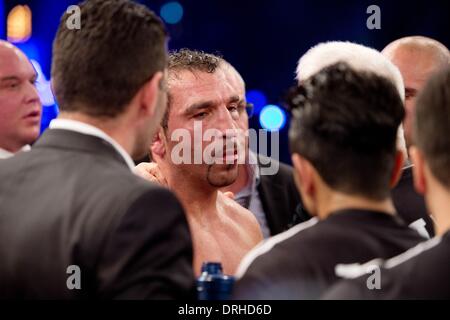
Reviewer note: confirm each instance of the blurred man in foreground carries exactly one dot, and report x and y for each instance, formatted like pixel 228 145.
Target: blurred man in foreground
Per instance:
pixel 352 118
pixel 409 205
pixel 75 222
pixel 422 272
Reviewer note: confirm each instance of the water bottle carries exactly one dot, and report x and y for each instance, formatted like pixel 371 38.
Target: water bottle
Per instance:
pixel 213 284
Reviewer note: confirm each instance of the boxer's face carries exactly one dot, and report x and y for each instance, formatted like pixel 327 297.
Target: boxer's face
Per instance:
pixel 203 102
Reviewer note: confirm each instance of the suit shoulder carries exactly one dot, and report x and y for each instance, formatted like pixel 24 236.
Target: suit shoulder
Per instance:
pixel 131 188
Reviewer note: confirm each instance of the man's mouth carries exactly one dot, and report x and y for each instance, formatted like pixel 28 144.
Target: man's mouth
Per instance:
pixel 227 156
pixel 230 156
pixel 33 115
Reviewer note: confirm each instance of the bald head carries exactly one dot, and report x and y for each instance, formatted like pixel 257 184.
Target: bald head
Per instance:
pixel 20 107
pixel 423 46
pixel 4 45
pixel 8 50
pixel 417 59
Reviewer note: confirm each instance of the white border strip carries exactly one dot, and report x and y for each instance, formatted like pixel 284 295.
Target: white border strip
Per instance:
pixel 411 253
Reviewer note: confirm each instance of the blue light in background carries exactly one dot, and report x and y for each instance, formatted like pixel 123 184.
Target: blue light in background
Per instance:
pixel 48 114
pixel 272 118
pixel 49 108
pixel 30 49
pixel 257 98
pixel 2 20
pixel 43 86
pixel 172 12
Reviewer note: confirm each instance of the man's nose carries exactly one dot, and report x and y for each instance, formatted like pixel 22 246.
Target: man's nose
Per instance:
pixel 225 122
pixel 32 94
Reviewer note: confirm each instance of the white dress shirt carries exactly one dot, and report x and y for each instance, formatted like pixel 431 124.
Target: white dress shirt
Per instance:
pixel 84 128
pixel 5 154
pixel 249 196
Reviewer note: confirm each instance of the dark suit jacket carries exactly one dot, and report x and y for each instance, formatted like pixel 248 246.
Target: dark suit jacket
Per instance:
pixel 280 199
pixel 72 200
pixel 409 204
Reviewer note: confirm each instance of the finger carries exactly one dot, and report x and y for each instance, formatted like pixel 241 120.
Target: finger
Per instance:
pixel 229 195
pixel 143 171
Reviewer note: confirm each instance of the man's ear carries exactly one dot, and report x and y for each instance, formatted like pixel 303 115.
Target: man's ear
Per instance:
pixel 304 174
pixel 398 169
pixel 158 147
pixel 150 93
pixel 420 183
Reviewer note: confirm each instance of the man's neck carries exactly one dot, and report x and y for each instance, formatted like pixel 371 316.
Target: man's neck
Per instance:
pixel 440 207
pixel 11 147
pixel 112 127
pixel 338 201
pixel 198 199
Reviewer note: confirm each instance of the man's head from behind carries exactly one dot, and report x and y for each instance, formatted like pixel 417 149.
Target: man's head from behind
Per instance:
pixel 113 67
pixel 417 59
pixel 360 58
pixel 206 94
pixel 20 107
pixel 431 153
pixel 343 134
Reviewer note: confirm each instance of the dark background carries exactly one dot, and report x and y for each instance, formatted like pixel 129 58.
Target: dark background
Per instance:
pixel 263 39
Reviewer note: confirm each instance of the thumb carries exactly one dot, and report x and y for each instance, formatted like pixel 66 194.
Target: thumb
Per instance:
pixel 229 195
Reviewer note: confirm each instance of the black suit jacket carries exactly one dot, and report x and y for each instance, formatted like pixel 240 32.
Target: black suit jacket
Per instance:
pixel 280 198
pixel 409 204
pixel 72 200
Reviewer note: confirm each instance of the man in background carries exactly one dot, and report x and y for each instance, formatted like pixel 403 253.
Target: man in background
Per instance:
pixel 20 106
pixel 417 58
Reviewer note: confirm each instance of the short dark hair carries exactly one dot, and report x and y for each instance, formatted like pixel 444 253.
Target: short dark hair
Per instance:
pixel 345 123
pixel 432 125
pixel 99 68
pixel 191 60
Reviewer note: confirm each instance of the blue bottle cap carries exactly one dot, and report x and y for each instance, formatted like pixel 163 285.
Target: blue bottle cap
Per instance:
pixel 212 268
pixel 213 284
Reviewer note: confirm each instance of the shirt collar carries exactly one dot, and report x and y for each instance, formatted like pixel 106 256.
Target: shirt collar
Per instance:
pixel 253 167
pixel 254 176
pixel 84 128
pixel 5 154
